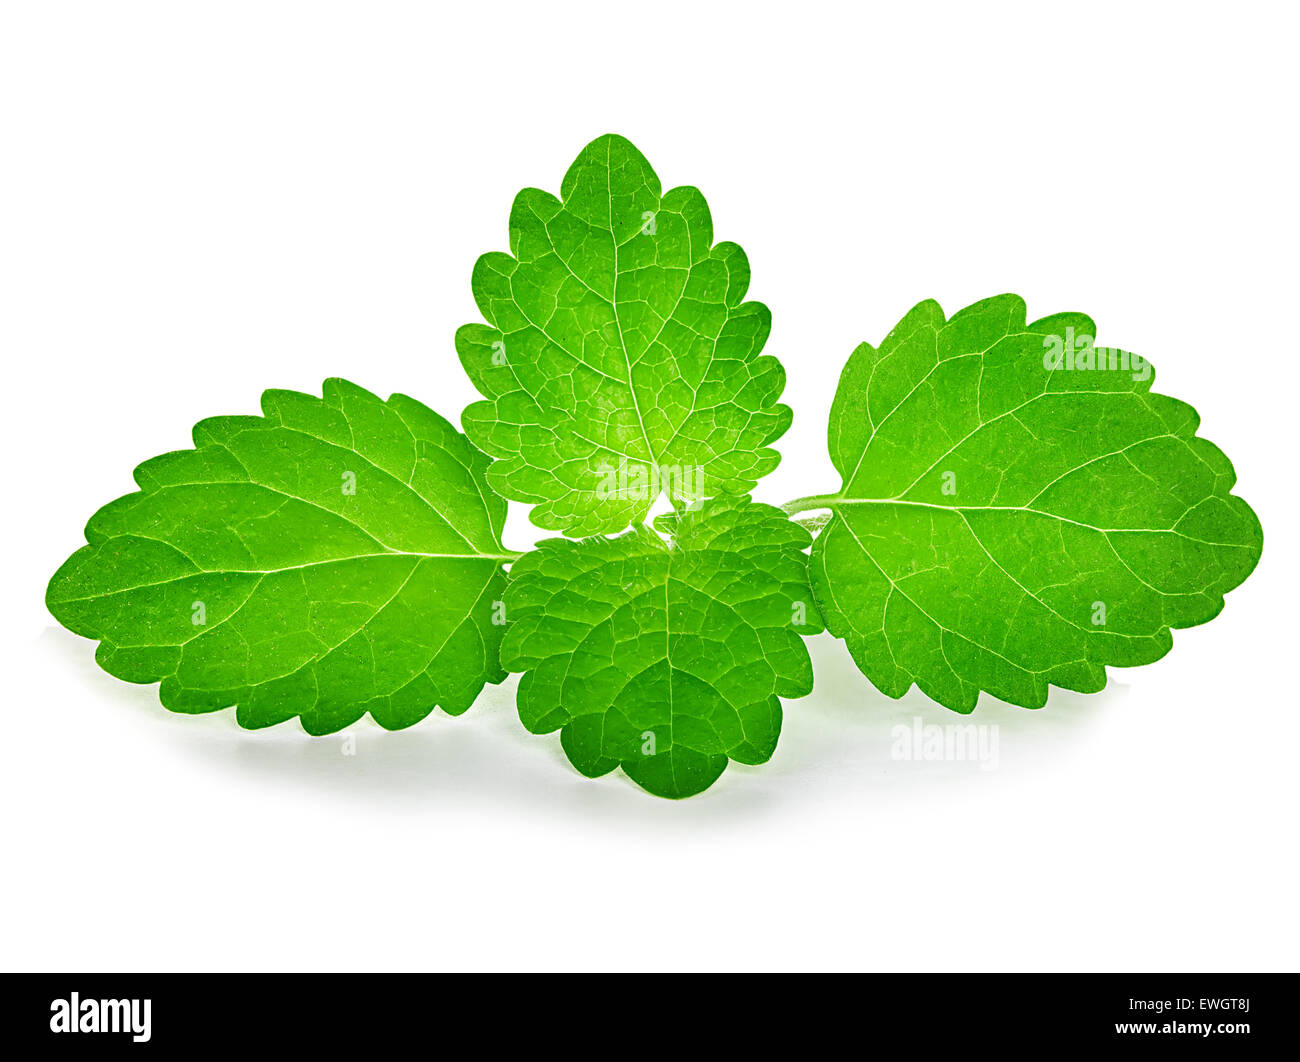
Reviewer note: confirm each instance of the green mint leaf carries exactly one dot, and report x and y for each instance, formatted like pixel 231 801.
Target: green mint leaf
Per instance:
pixel 1017 509
pixel 666 658
pixel 618 360
pixel 332 557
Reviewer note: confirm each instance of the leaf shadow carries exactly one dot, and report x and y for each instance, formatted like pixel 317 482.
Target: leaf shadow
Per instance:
pixel 847 726
pixel 483 758
pixel 837 740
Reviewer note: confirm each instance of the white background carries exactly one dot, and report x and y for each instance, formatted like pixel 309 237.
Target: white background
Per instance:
pixel 203 201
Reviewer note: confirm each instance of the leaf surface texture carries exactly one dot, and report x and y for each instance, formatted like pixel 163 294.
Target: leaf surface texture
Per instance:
pixel 619 359
pixel 333 557
pixel 1009 520
pixel 667 658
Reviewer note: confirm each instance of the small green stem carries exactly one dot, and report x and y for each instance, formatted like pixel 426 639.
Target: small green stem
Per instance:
pixel 812 501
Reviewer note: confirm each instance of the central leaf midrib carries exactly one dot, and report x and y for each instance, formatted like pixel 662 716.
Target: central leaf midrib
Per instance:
pixel 835 501
pixel 618 323
pixel 667 660
pixel 199 573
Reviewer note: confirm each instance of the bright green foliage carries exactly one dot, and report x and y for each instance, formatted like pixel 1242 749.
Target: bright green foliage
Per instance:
pixel 666 658
pixel 1013 515
pixel 330 558
pixel 618 360
pixel 1017 511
